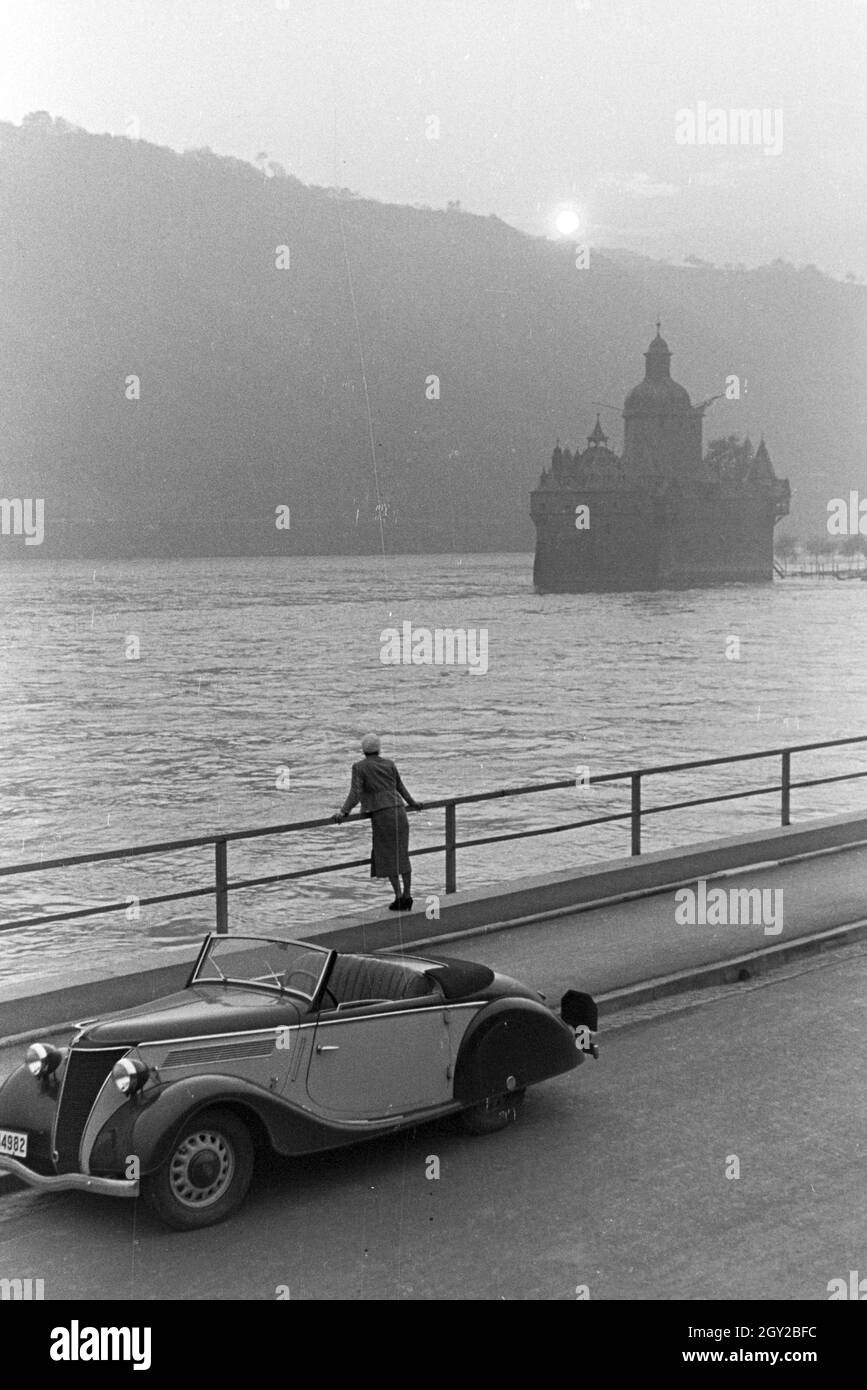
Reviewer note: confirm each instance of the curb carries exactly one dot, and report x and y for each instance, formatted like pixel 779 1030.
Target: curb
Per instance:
pixel 734 970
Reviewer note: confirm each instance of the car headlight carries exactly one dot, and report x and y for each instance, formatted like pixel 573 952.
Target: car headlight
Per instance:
pixel 129 1075
pixel 42 1059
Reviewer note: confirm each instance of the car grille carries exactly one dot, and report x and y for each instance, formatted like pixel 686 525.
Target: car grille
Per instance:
pixel 219 1052
pixel 86 1071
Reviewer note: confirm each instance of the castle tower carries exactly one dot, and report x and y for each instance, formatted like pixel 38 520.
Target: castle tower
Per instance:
pixel 660 516
pixel 662 429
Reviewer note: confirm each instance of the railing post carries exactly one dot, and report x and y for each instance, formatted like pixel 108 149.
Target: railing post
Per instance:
pixel 222 878
pixel 636 813
pixel 786 787
pixel 451 849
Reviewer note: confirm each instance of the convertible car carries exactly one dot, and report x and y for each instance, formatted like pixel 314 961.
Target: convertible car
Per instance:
pixel 280 1044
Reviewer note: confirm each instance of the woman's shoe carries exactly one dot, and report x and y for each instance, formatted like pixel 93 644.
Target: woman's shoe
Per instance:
pixel 406 904
pixel 396 905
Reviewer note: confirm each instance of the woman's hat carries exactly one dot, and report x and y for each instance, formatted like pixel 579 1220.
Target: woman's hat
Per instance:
pixel 370 743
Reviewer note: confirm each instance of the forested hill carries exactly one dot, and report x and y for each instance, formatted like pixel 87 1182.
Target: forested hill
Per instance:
pixel 271 377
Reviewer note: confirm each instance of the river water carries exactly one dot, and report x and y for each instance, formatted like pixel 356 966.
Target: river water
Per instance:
pixel 257 672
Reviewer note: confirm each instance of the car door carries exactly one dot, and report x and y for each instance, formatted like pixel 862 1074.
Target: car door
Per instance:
pixel 380 1064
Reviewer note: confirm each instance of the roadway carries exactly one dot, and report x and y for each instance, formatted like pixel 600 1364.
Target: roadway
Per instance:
pixel 614 1178
pixel 624 944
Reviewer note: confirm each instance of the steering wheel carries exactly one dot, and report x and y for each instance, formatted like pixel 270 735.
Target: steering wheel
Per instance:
pixel 295 974
pixel 308 975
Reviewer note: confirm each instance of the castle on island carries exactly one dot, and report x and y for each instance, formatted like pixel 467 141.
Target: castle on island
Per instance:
pixel 661 515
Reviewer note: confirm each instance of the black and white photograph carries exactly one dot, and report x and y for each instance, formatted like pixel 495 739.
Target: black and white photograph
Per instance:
pixel 433 575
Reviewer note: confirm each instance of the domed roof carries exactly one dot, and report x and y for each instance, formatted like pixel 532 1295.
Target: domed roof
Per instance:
pixel 653 395
pixel 657 391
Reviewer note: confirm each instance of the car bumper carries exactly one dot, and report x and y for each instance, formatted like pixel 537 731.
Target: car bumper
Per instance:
pixel 70 1182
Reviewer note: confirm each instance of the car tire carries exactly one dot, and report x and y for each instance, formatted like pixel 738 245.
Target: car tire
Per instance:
pixel 206 1176
pixel 493 1114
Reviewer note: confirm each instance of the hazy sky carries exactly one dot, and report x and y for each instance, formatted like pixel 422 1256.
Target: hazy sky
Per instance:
pixel 540 103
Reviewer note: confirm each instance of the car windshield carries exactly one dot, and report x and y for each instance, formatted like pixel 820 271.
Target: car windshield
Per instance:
pixel 285 966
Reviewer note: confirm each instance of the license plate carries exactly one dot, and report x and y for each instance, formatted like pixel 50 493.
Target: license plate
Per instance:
pixel 13 1143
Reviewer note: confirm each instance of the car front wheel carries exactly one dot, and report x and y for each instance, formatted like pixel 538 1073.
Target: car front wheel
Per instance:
pixel 206 1176
pixel 495 1113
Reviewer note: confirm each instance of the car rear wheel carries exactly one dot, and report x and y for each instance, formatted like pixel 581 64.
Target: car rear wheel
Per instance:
pixel 495 1113
pixel 206 1176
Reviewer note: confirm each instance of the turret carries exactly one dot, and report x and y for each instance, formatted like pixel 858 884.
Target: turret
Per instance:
pixel 598 438
pixel 761 467
pixel 662 429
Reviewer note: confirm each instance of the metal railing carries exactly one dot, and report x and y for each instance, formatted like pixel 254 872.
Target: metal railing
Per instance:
pixel 636 815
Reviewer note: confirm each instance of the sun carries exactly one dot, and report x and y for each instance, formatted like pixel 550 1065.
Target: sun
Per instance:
pixel 567 221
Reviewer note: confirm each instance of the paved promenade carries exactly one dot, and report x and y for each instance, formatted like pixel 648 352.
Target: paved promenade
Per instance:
pixel 611 948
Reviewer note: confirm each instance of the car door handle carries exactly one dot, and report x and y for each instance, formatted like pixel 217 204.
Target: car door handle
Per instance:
pixel 327 1047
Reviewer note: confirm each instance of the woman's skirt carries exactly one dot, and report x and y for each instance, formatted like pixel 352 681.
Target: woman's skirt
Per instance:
pixel 390 853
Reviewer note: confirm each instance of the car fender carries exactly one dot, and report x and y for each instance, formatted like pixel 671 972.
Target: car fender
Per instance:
pixel 150 1126
pixel 512 1043
pixel 29 1103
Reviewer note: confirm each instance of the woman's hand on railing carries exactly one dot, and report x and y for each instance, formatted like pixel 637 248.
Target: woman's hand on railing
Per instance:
pixel 339 817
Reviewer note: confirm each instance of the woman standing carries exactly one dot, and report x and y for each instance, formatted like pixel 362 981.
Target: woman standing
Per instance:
pixel 377 784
